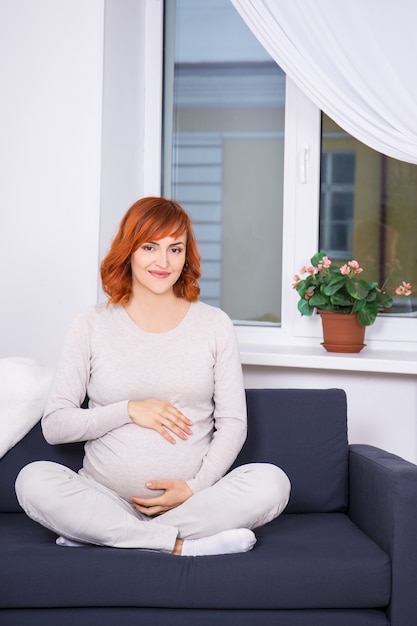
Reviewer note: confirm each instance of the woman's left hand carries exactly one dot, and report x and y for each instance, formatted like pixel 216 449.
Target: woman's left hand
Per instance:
pixel 175 493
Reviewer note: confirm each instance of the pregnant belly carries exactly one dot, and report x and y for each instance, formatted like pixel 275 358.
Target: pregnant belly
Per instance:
pixel 125 459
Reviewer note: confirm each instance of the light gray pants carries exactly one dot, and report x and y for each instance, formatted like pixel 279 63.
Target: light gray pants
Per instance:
pixel 81 509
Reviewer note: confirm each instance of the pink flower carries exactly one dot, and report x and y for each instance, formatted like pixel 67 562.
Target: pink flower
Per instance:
pixel 345 270
pixel 404 289
pixel 308 270
pixel 325 262
pixel 355 266
pixel 308 295
pixel 296 280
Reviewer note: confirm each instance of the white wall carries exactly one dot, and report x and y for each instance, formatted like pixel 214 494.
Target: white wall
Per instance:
pixel 71 158
pixel 123 124
pixel 50 129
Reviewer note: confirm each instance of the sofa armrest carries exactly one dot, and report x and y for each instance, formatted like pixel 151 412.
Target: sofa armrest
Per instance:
pixel 383 503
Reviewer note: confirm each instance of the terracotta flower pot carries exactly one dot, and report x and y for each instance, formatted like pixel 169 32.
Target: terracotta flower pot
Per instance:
pixel 342 332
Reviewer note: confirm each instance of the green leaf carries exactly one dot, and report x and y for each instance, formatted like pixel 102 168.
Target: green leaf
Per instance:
pixel 317 300
pixel 367 315
pixel 334 285
pixel 304 308
pixel 358 305
pixel 384 301
pixel 317 258
pixel 358 289
pixel 301 288
pixel 341 299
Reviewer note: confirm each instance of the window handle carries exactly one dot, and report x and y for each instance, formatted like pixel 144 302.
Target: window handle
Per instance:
pixel 303 158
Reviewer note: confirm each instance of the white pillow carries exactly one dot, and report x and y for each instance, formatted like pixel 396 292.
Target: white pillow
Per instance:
pixel 24 386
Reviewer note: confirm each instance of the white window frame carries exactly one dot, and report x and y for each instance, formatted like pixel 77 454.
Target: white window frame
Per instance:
pixel 393 338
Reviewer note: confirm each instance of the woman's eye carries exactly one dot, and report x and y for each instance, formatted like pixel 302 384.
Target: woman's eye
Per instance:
pixel 176 250
pixel 147 248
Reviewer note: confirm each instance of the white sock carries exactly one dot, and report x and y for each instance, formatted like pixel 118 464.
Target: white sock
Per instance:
pixel 69 543
pixel 226 542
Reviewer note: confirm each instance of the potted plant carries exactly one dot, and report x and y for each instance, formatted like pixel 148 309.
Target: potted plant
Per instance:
pixel 339 294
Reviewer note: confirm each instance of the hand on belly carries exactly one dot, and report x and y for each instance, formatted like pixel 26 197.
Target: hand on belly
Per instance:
pixel 175 493
pixel 160 416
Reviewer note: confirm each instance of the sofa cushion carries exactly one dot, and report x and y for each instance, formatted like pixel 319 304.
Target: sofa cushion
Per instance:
pixel 24 386
pixel 303 431
pixel 312 561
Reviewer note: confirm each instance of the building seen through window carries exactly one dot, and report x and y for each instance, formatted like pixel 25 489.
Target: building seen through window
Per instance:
pixel 368 211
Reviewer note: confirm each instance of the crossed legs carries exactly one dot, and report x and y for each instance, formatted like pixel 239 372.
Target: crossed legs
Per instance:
pixel 85 511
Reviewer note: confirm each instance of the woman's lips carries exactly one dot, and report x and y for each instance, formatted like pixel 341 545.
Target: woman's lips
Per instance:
pixel 159 274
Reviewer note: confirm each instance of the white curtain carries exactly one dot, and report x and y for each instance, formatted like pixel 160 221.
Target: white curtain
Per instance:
pixel 355 59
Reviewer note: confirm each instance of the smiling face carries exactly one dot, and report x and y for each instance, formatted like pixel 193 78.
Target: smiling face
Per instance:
pixel 157 265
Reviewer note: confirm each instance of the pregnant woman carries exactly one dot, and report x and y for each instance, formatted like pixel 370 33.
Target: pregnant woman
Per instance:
pixel 166 416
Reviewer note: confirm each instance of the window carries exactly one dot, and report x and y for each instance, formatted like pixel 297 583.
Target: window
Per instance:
pixel 227 110
pixel 368 211
pixel 224 109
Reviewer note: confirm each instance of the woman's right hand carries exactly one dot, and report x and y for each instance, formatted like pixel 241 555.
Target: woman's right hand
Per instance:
pixel 160 416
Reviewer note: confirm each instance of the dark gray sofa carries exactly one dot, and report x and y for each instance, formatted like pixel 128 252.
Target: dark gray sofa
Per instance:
pixel 344 553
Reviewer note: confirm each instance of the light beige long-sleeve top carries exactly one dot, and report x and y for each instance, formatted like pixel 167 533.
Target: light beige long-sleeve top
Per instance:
pixel 195 366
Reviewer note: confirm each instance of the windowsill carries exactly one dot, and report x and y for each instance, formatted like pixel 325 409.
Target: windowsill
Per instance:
pixel 315 357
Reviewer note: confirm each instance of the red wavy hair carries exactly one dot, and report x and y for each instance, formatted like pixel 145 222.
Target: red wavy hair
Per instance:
pixel 149 219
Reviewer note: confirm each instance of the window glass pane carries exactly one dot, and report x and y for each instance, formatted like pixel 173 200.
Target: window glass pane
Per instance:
pixel 223 153
pixel 343 167
pixel 368 211
pixel 337 196
pixel 342 205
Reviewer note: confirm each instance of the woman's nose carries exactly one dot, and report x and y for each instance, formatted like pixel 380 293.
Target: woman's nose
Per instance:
pixel 162 260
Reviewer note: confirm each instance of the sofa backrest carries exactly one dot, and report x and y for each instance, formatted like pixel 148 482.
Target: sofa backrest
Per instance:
pixel 301 430
pixel 33 447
